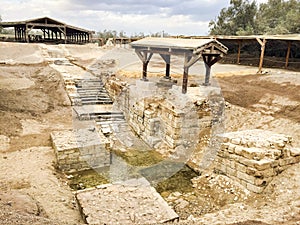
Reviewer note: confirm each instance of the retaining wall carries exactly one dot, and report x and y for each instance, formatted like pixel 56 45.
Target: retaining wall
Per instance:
pixel 255 157
pixel 78 150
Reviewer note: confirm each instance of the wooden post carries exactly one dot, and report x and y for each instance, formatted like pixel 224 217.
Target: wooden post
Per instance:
pixel 207 59
pixel 185 79
pixel 239 51
pixel 15 33
pixel 262 53
pixel 145 58
pixel 207 74
pixel 288 55
pixel 185 73
pixel 167 59
pixel 65 34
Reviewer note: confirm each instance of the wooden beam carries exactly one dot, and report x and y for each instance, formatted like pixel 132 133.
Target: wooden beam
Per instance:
pixel 262 53
pixel 288 54
pixel 192 60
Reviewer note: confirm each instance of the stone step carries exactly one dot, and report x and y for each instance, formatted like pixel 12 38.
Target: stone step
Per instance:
pixel 97 102
pixel 87 98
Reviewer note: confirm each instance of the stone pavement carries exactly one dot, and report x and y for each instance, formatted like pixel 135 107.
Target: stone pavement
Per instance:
pixel 130 202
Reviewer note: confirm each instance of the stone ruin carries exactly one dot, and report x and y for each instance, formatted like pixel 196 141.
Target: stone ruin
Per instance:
pixel 167 120
pixel 255 157
pixel 80 149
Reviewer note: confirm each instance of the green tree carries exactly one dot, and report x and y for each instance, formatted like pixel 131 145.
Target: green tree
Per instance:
pixel 278 17
pixel 237 19
pixel 243 17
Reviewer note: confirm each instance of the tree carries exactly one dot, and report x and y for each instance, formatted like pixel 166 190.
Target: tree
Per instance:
pixel 237 19
pixel 279 17
pixel 243 18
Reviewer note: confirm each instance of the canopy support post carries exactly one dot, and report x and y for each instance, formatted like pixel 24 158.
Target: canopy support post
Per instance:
pixel 288 55
pixel 145 58
pixel 262 53
pixel 167 59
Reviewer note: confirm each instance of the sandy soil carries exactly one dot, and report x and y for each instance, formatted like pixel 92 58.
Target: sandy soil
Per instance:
pixel 33 103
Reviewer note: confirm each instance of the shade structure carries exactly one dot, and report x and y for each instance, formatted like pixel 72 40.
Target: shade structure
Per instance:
pixel 210 50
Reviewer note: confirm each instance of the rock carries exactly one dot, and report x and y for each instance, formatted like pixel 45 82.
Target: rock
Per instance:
pixel 181 203
pixel 4 143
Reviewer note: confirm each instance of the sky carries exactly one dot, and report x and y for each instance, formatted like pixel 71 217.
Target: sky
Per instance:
pixel 175 17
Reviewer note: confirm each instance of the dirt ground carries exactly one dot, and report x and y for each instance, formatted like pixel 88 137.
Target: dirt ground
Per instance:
pixel 33 103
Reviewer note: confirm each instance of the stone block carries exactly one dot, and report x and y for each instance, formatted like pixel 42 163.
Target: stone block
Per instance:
pixel 295 152
pixel 236 141
pixel 230 171
pixel 245 177
pixel 262 164
pixel 254 188
pixel 287 161
pixel 240 167
pixel 224 146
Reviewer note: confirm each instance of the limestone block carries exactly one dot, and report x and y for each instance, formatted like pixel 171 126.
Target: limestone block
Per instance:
pixel 273 154
pixel 262 164
pixel 253 153
pixel 236 141
pixel 230 171
pixel 288 161
pixel 254 188
pixel 265 173
pixel 245 177
pixel 295 152
pixel 240 167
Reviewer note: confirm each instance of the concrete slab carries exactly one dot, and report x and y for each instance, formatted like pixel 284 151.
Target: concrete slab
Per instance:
pixel 130 202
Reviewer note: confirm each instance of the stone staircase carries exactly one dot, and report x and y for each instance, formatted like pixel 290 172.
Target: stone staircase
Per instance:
pixel 90 95
pixel 90 92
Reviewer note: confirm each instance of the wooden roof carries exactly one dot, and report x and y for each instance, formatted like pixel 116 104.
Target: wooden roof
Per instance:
pixel 285 37
pixel 178 45
pixel 44 22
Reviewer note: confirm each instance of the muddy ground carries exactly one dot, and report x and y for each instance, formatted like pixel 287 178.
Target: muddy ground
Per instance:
pixel 33 103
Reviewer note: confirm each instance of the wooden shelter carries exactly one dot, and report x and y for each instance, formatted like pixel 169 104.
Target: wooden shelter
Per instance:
pixel 52 31
pixel 210 50
pixel 265 43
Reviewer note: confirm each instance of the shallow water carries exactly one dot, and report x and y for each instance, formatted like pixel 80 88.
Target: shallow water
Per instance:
pixel 165 176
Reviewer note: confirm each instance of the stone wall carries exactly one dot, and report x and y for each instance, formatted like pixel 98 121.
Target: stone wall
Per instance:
pixel 78 150
pixel 165 118
pixel 254 157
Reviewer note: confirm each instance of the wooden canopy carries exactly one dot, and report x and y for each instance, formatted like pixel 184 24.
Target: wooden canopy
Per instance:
pixel 260 39
pixel 210 50
pixel 53 31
